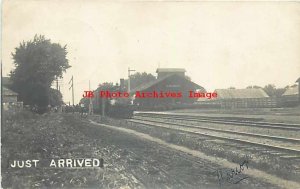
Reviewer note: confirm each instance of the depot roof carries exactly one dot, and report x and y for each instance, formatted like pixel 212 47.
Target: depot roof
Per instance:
pixel 157 81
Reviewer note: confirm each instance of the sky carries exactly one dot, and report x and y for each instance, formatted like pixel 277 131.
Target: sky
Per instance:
pixel 220 44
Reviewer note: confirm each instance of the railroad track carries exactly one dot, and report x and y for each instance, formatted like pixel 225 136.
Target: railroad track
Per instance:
pixel 183 128
pixel 227 121
pixel 296 140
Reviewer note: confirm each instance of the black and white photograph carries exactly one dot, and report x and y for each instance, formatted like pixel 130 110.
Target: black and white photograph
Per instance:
pixel 150 94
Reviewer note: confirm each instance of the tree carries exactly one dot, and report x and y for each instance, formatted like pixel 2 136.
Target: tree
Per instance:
pixel 279 92
pixel 138 79
pixel 55 97
pixel 37 64
pixel 270 89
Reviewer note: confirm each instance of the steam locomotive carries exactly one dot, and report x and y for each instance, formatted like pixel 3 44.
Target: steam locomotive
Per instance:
pixel 120 108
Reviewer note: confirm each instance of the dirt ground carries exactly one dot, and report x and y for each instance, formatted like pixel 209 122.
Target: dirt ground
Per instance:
pixel 129 161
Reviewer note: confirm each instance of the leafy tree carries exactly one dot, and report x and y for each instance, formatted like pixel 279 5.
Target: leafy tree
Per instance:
pixel 55 97
pixel 107 86
pixel 279 92
pixel 270 89
pixel 37 64
pixel 138 79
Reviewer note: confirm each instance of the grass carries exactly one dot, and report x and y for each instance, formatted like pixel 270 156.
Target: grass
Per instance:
pixel 269 163
pixel 26 135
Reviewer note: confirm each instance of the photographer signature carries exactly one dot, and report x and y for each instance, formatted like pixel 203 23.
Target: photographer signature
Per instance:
pixel 232 176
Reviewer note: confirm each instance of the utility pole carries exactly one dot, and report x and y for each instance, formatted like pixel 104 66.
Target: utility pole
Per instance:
pixel 91 104
pixel 72 86
pixel 56 83
pixel 129 70
pixel 102 103
pixel 103 107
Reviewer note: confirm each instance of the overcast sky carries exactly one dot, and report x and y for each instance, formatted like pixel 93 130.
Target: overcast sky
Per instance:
pixel 220 44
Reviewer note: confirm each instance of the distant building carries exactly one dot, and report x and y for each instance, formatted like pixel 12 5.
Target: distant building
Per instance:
pixel 291 96
pixel 9 97
pixel 6 82
pixel 243 98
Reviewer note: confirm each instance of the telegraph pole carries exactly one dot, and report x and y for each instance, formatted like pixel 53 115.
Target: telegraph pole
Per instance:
pixel 103 107
pixel 91 104
pixel 129 70
pixel 1 96
pixel 56 83
pixel 72 86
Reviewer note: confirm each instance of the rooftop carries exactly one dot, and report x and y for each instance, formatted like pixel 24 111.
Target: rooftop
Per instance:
pixel 152 83
pixel 8 92
pixel 241 93
pixel 170 70
pixel 291 91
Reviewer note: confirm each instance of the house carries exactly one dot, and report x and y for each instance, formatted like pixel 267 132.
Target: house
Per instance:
pixel 243 98
pixel 9 97
pixel 291 96
pixel 6 82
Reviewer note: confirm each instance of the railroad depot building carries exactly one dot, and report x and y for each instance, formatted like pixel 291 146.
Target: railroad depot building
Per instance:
pixel 168 80
pixel 243 98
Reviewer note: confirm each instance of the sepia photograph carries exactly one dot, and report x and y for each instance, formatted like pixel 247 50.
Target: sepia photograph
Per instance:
pixel 148 94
